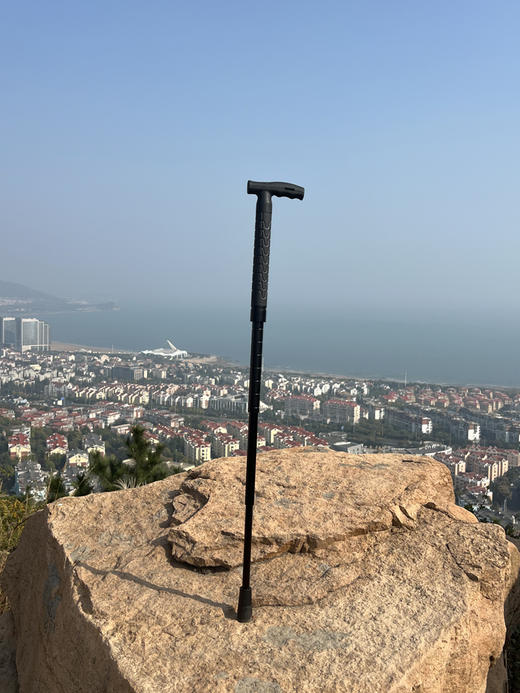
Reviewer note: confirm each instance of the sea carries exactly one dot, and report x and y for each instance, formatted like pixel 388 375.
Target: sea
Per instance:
pixel 418 351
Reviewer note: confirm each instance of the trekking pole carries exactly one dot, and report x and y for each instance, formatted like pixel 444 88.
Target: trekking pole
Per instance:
pixel 264 207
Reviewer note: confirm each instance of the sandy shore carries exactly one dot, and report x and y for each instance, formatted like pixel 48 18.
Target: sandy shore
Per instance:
pixel 62 346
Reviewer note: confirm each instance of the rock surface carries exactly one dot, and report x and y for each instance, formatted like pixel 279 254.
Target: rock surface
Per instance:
pixel 366 577
pixel 8 674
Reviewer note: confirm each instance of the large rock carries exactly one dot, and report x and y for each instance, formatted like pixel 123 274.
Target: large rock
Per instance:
pixel 366 577
pixel 8 675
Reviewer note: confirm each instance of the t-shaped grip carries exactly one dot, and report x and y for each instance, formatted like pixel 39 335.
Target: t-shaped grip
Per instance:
pixel 294 192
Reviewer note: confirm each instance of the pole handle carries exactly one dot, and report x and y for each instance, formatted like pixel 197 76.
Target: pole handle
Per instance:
pixel 264 210
pixel 293 192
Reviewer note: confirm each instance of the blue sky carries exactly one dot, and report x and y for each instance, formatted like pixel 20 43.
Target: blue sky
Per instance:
pixel 129 130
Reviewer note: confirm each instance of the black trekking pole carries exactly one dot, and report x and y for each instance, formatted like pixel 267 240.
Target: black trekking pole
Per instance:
pixel 264 207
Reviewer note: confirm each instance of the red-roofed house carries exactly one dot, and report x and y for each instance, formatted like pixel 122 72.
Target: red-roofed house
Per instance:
pixel 57 444
pixel 19 445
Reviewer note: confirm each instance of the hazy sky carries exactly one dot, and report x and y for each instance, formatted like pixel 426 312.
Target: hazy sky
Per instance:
pixel 129 130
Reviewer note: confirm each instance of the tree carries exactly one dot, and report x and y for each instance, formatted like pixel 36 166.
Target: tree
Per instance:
pixel 39 443
pixel 75 440
pixel 107 469
pixel 114 443
pixel 56 461
pixel 148 464
pixel 4 447
pixel 6 471
pixel 510 531
pixel 501 491
pixel 13 514
pixel 82 485
pixel 507 487
pixel 56 488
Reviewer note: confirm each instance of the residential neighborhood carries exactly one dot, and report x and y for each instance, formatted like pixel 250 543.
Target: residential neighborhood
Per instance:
pixel 59 408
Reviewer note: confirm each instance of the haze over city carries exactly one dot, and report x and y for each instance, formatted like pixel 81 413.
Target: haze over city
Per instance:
pixel 130 131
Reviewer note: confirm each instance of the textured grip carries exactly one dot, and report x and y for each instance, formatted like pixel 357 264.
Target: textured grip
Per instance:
pixel 261 257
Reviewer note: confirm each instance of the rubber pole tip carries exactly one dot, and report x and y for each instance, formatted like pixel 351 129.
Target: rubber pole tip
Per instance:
pixel 245 605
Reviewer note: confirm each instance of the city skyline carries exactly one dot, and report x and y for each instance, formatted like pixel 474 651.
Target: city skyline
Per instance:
pixel 62 407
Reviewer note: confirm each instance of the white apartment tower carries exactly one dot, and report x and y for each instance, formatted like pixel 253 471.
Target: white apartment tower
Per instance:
pixel 25 334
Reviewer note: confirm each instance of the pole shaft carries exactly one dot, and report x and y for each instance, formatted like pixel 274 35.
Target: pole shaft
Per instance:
pixel 255 375
pixel 258 317
pixel 255 381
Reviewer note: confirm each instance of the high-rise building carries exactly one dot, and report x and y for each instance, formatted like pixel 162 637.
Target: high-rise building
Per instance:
pixel 29 329
pixel 8 332
pixel 34 335
pixel 44 335
pixel 25 334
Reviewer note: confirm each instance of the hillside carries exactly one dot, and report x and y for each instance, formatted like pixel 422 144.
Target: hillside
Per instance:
pixel 18 299
pixel 14 290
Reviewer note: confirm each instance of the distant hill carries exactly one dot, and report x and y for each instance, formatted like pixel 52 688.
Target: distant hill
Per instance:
pixel 20 299
pixel 13 290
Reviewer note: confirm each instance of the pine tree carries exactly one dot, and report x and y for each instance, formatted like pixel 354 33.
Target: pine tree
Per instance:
pixel 148 460
pixel 82 485
pixel 56 489
pixel 107 469
pixel 148 465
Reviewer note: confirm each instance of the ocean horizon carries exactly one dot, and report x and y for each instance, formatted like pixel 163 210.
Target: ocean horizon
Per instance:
pixel 426 351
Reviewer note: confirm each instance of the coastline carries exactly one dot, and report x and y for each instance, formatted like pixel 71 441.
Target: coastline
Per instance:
pixel 224 363
pixel 82 348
